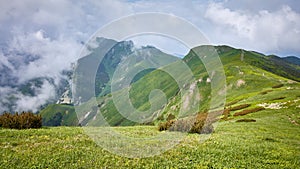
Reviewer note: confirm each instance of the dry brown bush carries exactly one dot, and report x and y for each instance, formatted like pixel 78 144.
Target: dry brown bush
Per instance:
pixel 246 120
pixel 244 112
pixel 278 86
pixel 199 123
pixel 239 107
pixel 25 120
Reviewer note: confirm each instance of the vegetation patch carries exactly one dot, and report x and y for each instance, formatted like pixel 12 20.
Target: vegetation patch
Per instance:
pixel 165 125
pixel 170 117
pixel 269 139
pixel 226 114
pixel 195 124
pixel 265 92
pixel 246 120
pixel 239 107
pixel 248 111
pixel 278 86
pixel 25 120
pixel 278 98
pixel 232 102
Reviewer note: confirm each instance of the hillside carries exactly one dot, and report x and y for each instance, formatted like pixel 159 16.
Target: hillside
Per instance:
pixel 292 59
pixel 259 127
pixel 246 78
pixel 59 115
pixel 97 70
pixel 251 78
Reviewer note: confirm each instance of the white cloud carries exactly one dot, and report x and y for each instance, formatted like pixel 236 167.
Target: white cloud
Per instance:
pixel 4 62
pixel 165 44
pixel 28 103
pixel 243 24
pixel 53 56
pixel 267 31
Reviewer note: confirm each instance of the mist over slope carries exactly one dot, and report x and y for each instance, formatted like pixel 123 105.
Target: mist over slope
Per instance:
pixel 34 71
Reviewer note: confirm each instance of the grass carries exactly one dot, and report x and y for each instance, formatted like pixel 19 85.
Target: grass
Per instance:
pixel 69 118
pixel 271 142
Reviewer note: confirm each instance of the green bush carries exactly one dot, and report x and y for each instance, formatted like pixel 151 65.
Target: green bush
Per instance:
pixel 25 120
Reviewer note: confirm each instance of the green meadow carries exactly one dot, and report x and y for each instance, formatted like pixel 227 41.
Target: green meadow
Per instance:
pixel 273 141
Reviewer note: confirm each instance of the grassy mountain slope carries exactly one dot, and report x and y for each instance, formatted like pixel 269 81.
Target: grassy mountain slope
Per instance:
pixel 100 65
pixel 247 75
pixel 118 55
pixel 276 65
pixel 251 78
pixel 292 59
pixel 88 68
pixel 59 115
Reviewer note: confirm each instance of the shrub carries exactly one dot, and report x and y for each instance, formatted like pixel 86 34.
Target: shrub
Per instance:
pixel 244 112
pixel 278 98
pixel 239 107
pixel 170 117
pixel 246 120
pixel 265 92
pixel 165 125
pixel 278 86
pixel 226 113
pixel 195 124
pixel 182 125
pixel 232 103
pixel 202 124
pixel 24 120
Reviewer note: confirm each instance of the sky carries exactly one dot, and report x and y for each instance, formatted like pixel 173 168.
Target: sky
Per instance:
pixel 42 38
